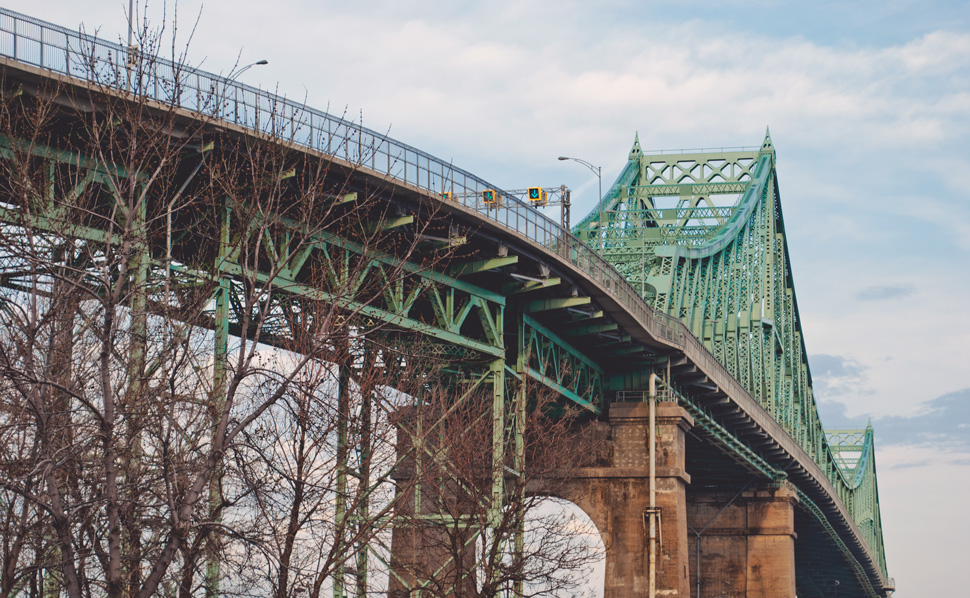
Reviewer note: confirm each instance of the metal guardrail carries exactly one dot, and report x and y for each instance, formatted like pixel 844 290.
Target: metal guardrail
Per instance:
pixel 66 52
pixel 85 57
pixel 81 56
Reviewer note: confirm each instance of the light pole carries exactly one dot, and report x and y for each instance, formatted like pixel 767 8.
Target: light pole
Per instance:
pixel 598 171
pixel 131 23
pixel 132 57
pixel 223 102
pixel 234 74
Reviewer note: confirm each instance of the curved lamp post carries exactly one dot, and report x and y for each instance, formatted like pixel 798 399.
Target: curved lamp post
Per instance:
pixel 232 76
pixel 597 170
pixel 227 82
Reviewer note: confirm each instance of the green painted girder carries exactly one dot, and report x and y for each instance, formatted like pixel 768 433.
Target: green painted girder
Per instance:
pixel 590 329
pixel 451 300
pixel 345 198
pixel 579 317
pixel 557 303
pixel 390 223
pixel 723 269
pixel 693 168
pixel 448 330
pixel 482 265
pixel 10 146
pixel 44 214
pixel 53 222
pixel 322 238
pixel 686 189
pixel 728 443
pixel 526 286
pixel 287 248
pixel 553 361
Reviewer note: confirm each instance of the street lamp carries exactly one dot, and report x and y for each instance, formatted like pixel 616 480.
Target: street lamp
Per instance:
pixel 230 80
pixel 131 24
pixel 598 171
pixel 233 75
pixel 132 57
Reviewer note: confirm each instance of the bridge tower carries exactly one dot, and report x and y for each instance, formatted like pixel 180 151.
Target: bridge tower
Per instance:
pixel 681 270
pixel 700 235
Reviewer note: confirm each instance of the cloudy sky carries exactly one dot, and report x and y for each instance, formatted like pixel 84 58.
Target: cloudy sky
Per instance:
pixel 869 108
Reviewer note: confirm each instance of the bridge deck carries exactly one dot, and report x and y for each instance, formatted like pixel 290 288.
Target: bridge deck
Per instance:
pixel 731 417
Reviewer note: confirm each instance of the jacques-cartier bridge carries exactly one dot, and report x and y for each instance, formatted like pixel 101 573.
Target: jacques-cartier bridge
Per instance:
pixel 681 270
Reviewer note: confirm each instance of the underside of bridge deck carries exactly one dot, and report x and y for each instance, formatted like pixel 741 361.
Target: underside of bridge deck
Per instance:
pixel 754 499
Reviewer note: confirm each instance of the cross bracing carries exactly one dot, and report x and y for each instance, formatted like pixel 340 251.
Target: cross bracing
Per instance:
pixel 701 235
pixel 679 223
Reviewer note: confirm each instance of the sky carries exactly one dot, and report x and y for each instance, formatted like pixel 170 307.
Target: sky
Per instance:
pixel 868 104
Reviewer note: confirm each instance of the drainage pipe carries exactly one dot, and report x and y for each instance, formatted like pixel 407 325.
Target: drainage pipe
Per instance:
pixel 652 441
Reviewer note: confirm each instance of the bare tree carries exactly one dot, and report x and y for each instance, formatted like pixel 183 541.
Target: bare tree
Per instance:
pixel 171 316
pixel 316 474
pixel 198 395
pixel 453 539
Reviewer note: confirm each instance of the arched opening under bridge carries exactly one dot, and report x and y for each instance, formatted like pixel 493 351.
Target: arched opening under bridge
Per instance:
pixel 567 550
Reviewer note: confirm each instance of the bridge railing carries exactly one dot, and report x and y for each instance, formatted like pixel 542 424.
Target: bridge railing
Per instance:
pixel 75 54
pixel 113 66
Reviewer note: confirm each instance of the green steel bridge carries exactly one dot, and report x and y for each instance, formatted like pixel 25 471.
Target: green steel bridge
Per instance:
pixel 682 270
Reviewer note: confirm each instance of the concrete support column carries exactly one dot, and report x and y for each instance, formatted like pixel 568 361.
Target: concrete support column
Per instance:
pixel 616 498
pixel 428 547
pixel 747 544
pixel 408 555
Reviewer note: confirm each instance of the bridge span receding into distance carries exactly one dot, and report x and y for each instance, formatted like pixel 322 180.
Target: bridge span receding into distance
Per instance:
pixel 680 271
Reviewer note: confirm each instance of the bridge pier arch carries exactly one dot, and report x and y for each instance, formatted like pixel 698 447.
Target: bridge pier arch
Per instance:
pixel 614 492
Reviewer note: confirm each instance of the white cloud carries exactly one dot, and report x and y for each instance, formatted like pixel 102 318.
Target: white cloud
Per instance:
pixel 871 139
pixel 920 489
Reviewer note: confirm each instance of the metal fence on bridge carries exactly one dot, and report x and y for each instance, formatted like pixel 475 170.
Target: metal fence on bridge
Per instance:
pixel 89 59
pixel 85 57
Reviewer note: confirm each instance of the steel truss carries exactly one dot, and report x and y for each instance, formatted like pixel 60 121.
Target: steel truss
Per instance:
pixel 721 267
pixel 702 236
pixel 389 297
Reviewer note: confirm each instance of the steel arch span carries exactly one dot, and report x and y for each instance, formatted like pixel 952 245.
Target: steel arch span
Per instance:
pixel 702 236
pixel 681 272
